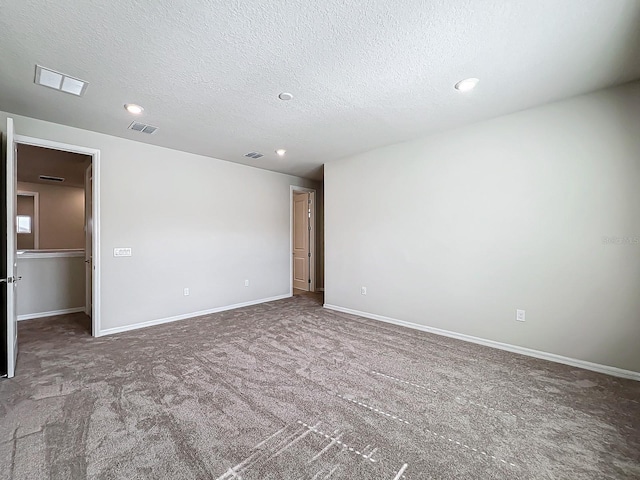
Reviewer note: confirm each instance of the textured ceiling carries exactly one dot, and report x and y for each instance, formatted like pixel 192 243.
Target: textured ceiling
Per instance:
pixel 364 73
pixel 36 161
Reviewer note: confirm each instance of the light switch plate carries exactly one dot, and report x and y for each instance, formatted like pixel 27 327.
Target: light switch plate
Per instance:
pixel 122 252
pixel 520 315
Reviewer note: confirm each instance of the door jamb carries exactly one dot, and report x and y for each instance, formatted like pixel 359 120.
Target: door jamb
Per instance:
pixel 88 296
pixel 312 242
pixel 95 162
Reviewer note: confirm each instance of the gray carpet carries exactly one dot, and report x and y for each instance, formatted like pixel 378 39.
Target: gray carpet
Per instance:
pixel 288 390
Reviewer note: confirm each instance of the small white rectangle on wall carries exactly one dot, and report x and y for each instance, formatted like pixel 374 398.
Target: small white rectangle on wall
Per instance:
pixel 122 252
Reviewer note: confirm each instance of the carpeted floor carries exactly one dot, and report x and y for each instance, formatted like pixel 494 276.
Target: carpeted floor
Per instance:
pixel 288 390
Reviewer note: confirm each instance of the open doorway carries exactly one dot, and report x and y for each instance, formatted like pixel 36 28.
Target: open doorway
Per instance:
pixel 43 237
pixel 53 232
pixel 303 240
pixel 50 260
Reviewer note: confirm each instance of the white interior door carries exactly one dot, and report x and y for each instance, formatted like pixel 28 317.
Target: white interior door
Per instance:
pixel 9 274
pixel 88 238
pixel 301 241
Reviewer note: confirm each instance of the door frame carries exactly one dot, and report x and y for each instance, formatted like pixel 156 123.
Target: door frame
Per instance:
pixel 312 240
pixel 95 240
pixel 88 295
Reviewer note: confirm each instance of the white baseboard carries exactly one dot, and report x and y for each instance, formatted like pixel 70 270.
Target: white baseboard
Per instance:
pixel 160 321
pixel 30 316
pixel 596 367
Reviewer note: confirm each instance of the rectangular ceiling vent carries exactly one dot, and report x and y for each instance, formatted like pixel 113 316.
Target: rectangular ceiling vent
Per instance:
pixel 51 179
pixel 254 155
pixel 59 81
pixel 142 127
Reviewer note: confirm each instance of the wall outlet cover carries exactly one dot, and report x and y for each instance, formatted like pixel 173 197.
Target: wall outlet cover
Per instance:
pixel 520 315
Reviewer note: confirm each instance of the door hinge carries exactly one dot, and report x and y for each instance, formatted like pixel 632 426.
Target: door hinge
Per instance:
pixel 309 280
pixel 309 254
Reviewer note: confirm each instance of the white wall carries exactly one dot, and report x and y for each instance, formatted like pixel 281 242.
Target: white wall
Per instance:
pixel 458 230
pixel 192 221
pixel 50 283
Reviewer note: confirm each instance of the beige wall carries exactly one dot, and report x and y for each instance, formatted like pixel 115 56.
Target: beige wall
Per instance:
pixel 458 230
pixel 61 224
pixel 26 206
pixel 191 221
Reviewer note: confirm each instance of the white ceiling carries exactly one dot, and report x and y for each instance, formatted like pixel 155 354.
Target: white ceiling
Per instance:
pixel 364 73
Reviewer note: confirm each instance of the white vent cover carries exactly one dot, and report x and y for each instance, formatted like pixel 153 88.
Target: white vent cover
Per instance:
pixel 254 155
pixel 51 179
pixel 59 81
pixel 142 127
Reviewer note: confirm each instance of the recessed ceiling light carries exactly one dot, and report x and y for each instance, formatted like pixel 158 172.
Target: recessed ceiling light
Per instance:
pixel 59 81
pixel 285 96
pixel 281 152
pixel 467 84
pixel 133 108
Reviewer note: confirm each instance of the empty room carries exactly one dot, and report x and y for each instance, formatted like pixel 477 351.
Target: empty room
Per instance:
pixel 280 239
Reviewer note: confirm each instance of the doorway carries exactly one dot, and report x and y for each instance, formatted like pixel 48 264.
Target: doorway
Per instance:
pixel 303 244
pixel 53 248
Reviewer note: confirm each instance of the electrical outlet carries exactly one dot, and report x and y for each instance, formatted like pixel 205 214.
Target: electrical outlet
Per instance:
pixel 186 292
pixel 246 283
pixel 520 315
pixel 363 290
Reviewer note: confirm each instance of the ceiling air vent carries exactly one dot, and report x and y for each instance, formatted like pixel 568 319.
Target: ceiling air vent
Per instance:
pixel 254 155
pixel 142 127
pixel 51 179
pixel 59 81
